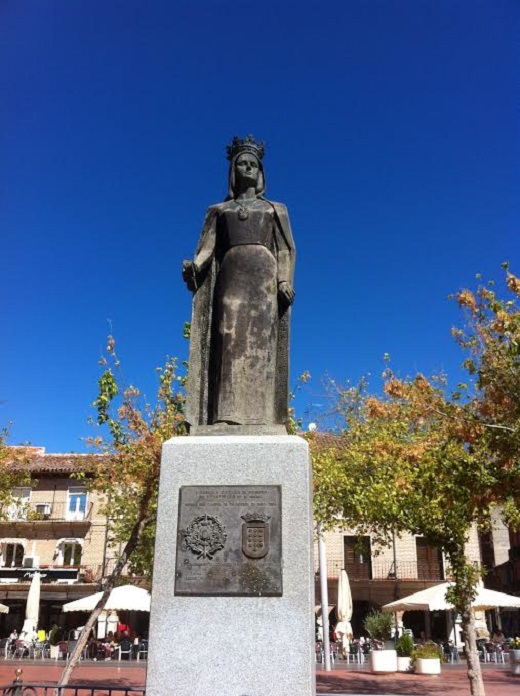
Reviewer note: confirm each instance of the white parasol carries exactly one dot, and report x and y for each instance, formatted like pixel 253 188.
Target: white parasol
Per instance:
pixel 434 599
pixel 123 598
pixel 32 608
pixel 344 611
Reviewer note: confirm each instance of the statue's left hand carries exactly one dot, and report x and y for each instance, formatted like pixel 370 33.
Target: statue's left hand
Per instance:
pixel 286 292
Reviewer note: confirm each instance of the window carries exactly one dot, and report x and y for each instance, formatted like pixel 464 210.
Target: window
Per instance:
pixel 13 555
pixel 429 561
pixel 19 508
pixel 514 543
pixel 68 552
pixel 487 549
pixel 77 504
pixel 358 558
pixel 71 553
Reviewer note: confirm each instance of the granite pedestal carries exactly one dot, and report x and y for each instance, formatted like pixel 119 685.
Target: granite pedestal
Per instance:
pixel 233 597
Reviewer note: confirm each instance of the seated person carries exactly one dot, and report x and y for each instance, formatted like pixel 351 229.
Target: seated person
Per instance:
pixel 123 630
pixel 109 645
pixel 498 637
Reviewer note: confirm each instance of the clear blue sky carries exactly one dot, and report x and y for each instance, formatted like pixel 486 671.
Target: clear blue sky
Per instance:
pixel 392 136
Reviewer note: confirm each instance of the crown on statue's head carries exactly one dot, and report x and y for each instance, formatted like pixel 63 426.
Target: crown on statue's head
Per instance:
pixel 248 144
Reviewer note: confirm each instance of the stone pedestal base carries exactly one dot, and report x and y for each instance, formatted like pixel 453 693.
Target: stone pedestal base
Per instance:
pixel 233 645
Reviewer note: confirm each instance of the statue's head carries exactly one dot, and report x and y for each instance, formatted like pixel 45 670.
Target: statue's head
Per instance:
pixel 245 161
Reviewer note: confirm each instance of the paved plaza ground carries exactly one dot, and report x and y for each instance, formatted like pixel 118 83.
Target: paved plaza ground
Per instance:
pixel 344 679
pixel 453 681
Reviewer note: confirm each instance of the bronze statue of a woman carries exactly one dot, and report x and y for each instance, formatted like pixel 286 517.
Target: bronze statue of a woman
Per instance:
pixel 242 280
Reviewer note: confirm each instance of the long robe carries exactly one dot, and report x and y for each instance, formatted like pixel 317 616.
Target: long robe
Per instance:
pixel 239 347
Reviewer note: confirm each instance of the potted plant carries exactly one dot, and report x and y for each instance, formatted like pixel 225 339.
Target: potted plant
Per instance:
pixel 514 655
pixel 427 658
pixel 379 627
pixel 404 648
pixel 54 634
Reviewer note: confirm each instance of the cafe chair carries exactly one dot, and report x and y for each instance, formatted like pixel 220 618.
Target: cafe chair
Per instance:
pixel 125 648
pixel 37 650
pixel 142 650
pixel 21 649
pixel 6 647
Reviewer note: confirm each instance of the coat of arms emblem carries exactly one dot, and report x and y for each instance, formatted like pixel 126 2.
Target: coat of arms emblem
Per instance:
pixel 204 536
pixel 255 535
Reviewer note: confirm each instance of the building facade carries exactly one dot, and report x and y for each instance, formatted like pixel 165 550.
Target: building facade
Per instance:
pixel 381 574
pixel 55 526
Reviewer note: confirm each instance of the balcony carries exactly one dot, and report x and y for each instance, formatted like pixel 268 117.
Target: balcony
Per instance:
pixel 29 518
pixel 381 571
pixel 108 567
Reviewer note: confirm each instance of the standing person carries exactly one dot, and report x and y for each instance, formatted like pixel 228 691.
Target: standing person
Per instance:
pixel 123 629
pixel 242 280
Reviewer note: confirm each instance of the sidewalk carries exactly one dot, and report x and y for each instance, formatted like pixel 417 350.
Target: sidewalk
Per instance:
pixel 354 680
pixel 344 680
pixel 109 673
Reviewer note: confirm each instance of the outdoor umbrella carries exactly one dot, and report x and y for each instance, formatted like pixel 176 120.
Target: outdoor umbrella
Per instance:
pixel 434 599
pixel 32 608
pixel 344 611
pixel 123 598
pixel 317 609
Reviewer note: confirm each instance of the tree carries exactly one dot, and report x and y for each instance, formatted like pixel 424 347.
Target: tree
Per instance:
pixel 491 337
pixel 126 468
pixel 417 460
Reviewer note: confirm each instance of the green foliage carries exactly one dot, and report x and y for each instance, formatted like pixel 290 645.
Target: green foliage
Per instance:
pixel 54 635
pixel 108 389
pixel 404 646
pixel 378 625
pixel 428 651
pixel 128 470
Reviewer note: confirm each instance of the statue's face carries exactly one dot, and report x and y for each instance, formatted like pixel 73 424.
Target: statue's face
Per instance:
pixel 247 169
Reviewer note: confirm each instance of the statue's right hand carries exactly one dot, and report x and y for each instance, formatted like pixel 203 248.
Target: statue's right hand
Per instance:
pixel 189 274
pixel 187 269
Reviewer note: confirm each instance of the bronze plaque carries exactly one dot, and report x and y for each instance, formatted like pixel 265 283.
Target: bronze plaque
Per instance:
pixel 229 541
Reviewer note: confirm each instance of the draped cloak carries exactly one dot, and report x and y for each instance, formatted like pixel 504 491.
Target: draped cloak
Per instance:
pixel 202 386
